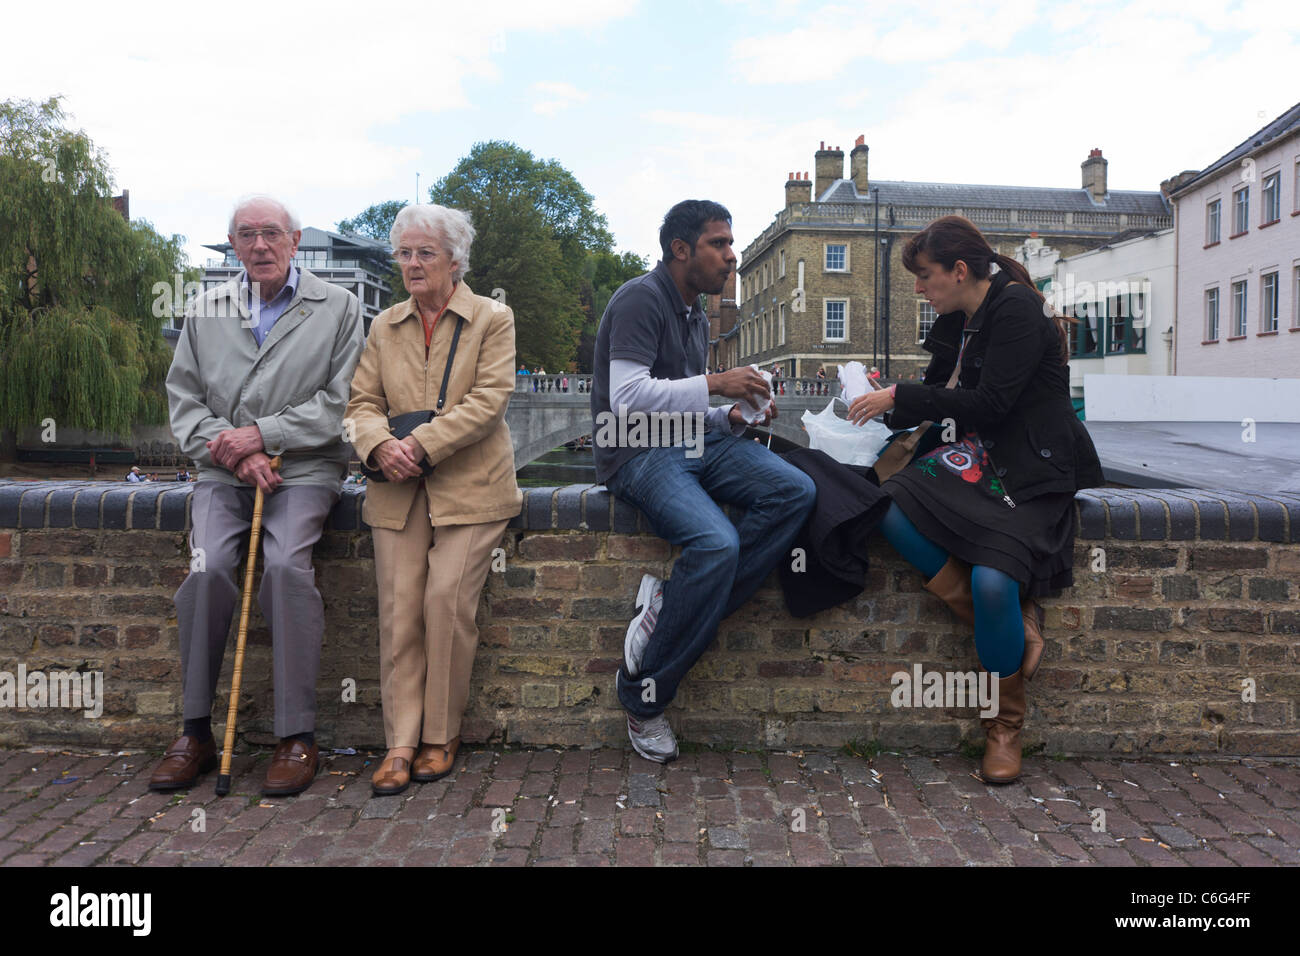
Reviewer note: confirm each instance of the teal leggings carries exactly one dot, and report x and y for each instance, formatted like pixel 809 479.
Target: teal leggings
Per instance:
pixel 999 628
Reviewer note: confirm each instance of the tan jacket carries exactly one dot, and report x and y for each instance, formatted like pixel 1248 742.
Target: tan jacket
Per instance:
pixel 469 440
pixel 293 387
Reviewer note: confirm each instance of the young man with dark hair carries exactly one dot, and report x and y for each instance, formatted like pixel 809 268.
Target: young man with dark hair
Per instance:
pixel 651 350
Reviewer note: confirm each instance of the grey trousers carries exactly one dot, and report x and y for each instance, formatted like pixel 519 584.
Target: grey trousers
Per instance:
pixel 293 517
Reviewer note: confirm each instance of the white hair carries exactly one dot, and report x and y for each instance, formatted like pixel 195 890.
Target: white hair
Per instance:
pixel 244 201
pixel 454 226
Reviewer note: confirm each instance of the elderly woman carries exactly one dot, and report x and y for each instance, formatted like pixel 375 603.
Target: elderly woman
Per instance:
pixel 434 530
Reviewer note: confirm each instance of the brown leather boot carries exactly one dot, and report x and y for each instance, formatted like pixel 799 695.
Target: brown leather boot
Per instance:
pixel 1001 762
pixel 1032 615
pixel 952 586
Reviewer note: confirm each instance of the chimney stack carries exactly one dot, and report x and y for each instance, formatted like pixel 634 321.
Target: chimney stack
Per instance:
pixel 1094 175
pixel 829 166
pixel 858 165
pixel 797 189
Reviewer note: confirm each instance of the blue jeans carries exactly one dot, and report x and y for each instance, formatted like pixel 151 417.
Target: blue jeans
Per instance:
pixel 721 564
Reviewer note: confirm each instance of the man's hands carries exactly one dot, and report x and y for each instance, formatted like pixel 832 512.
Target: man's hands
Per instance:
pixel 255 469
pixel 399 459
pixel 737 417
pixel 233 445
pixel 740 382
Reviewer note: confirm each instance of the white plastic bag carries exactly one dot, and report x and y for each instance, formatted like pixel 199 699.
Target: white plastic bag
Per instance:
pixel 754 413
pixel 843 440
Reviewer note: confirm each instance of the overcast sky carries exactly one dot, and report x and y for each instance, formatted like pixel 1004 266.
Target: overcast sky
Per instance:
pixel 334 106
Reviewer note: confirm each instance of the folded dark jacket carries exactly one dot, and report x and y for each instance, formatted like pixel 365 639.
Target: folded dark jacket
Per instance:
pixel 834 539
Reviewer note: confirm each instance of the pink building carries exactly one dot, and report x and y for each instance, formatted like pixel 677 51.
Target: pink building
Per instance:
pixel 1237 235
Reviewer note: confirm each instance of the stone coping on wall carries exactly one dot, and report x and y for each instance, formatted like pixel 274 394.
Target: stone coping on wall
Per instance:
pixel 1181 514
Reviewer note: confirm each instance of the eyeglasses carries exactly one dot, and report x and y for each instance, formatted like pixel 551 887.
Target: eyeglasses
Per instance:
pixel 272 234
pixel 424 255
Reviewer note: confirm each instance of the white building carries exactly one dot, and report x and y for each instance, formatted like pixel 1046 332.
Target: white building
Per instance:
pixel 1122 298
pixel 1237 233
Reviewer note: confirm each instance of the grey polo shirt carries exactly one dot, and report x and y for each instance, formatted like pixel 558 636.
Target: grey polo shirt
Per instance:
pixel 647 322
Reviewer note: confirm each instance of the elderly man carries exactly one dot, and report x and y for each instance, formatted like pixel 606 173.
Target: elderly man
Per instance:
pixel 263 367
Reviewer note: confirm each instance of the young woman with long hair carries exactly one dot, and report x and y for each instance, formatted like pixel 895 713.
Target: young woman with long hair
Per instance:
pixel 988 518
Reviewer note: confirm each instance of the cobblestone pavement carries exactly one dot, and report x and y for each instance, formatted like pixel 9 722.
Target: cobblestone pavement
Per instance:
pixel 609 807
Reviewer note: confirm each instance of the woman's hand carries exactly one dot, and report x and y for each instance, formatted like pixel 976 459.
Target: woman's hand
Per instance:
pixel 396 460
pixel 867 407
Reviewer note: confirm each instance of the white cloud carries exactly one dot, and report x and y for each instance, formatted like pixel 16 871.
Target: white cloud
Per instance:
pixel 551 98
pixel 198 106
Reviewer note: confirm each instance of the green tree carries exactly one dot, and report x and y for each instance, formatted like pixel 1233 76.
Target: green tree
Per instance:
pixel 602 273
pixel 80 334
pixel 374 222
pixel 535 226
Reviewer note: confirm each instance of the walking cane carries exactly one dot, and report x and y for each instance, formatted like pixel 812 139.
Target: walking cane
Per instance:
pixel 223 778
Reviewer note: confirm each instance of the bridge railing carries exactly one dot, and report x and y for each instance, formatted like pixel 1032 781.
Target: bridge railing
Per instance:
pixel 562 383
pixel 577 384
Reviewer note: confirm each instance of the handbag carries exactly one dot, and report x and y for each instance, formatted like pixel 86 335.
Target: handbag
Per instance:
pixel 898 454
pixel 399 426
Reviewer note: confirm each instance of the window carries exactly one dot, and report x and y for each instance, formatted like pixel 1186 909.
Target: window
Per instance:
pixel 1212 222
pixel 1295 300
pixel 1238 310
pixel 1295 192
pixel 836 319
pixel 925 316
pixel 1268 302
pixel 1241 210
pixel 782 263
pixel 1211 315
pixel 1271 198
pixel 1085 333
pixel 783 323
pixel 762 332
pixel 837 258
pixel 1126 323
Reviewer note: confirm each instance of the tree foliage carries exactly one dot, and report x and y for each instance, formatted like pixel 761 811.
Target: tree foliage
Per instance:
pixel 79 340
pixel 535 225
pixel 374 222
pixel 602 273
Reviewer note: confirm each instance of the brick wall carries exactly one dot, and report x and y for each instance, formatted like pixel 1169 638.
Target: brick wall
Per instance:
pixel 1198 594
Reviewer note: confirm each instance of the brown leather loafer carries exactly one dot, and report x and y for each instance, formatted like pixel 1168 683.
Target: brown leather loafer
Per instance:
pixel 392 777
pixel 183 763
pixel 293 768
pixel 434 761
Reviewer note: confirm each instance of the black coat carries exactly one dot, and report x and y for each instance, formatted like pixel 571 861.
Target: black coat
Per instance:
pixel 1013 390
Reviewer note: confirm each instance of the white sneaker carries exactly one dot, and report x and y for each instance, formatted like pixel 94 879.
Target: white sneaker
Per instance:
pixel 649 602
pixel 652 738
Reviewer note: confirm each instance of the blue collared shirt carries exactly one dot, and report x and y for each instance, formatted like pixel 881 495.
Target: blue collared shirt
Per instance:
pixel 264 315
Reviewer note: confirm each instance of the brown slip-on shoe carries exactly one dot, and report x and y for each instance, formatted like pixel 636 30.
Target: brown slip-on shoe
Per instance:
pixel 293 768
pixel 392 777
pixel 434 761
pixel 183 763
pixel 1001 763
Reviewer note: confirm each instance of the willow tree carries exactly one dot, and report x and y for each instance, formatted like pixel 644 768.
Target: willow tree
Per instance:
pixel 80 331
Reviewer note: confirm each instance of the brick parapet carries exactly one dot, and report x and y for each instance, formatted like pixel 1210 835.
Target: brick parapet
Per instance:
pixel 1179 597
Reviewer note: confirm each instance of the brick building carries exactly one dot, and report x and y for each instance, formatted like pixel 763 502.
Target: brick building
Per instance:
pixel 1238 255
pixel 825 283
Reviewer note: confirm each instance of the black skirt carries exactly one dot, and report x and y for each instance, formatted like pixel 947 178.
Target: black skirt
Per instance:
pixel 954 498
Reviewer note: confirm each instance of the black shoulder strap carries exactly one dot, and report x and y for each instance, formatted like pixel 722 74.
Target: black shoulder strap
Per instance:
pixel 455 337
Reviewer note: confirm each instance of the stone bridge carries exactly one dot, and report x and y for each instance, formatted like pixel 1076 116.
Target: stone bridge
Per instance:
pixel 543 416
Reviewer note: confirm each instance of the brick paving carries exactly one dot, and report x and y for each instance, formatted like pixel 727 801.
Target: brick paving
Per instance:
pixel 709 808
